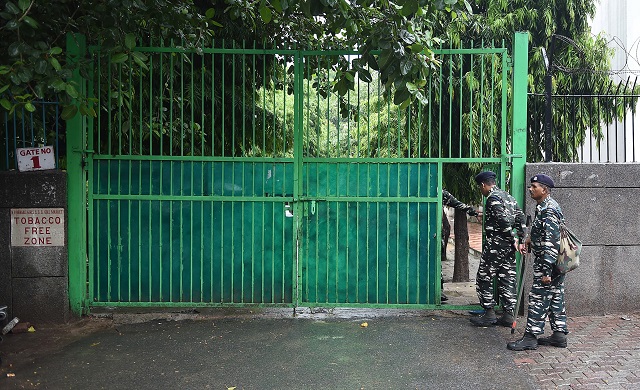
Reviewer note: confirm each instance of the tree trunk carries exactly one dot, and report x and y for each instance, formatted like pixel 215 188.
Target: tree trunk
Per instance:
pixel 461 233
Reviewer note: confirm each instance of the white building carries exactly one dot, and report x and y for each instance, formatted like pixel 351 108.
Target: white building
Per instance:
pixel 616 19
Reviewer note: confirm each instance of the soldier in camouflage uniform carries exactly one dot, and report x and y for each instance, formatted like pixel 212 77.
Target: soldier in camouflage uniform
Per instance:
pixel 502 216
pixel 451 201
pixel 547 290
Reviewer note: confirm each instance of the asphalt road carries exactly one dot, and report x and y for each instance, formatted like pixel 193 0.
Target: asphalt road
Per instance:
pixel 433 350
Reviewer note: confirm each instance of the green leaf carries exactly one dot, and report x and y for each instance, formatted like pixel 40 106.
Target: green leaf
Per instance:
pixel 30 107
pixel 405 66
pixel 24 4
pixel 41 66
pixel 130 41
pixel 55 63
pixel 11 8
pixel 31 22
pixel 140 59
pixel 55 50
pixel 210 13
pixel 265 14
pixel 410 7
pixel 365 75
pixel 4 88
pixel 416 48
pixel 14 49
pixel 411 87
pixel 5 104
pixel 119 58
pixel 277 6
pixel 400 96
pixel 69 112
pixel 71 91
pixel 58 85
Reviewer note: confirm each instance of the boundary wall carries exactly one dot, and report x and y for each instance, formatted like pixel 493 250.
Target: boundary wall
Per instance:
pixel 33 279
pixel 601 204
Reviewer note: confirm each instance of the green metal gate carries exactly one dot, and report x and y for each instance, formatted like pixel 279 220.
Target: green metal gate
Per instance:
pixel 200 193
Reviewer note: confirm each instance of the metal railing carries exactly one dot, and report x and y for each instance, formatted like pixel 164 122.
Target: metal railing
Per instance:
pixel 591 128
pixel 23 129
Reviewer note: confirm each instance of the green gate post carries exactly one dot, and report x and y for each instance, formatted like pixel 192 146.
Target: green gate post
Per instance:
pixel 520 83
pixel 76 189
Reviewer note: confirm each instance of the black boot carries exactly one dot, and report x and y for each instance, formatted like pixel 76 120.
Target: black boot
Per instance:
pixel 506 319
pixel 528 341
pixel 443 298
pixel 486 319
pixel 558 339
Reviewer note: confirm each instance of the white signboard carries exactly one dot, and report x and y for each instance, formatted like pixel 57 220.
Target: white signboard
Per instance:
pixel 37 227
pixel 36 159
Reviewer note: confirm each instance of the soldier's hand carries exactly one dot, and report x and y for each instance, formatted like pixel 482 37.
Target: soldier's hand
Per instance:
pixel 546 279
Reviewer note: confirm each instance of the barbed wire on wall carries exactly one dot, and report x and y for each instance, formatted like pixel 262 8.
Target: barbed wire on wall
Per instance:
pixel 631 63
pixel 631 57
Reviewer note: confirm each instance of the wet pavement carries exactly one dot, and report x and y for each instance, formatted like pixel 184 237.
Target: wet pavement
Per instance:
pixel 328 349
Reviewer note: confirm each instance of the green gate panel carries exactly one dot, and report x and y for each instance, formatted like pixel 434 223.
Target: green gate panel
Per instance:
pixel 369 233
pixel 200 232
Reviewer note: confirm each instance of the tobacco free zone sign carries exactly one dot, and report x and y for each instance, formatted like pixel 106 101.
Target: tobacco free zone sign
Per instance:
pixel 37 227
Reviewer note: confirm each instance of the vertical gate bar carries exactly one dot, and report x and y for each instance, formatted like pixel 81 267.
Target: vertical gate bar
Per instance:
pixel 76 188
pixel 450 90
pixel 388 238
pixel 243 152
pixel 161 103
pixel 203 164
pixel 171 82
pixel 471 105
pixel 519 124
pixel 192 152
pixel 357 276
pixel 253 100
pixel 493 124
pixel 181 120
pixel 233 106
pixel 91 227
pixel 439 153
pixel 161 223
pixel 460 114
pixel 503 116
pixel 482 98
pixel 150 124
pixel 171 192
pixel 222 102
pixel 213 101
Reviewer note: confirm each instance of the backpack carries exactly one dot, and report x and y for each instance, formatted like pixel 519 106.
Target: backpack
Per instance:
pixel 569 253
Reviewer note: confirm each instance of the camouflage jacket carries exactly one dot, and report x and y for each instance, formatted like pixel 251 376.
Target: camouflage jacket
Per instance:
pixel 503 215
pixel 451 201
pixel 545 236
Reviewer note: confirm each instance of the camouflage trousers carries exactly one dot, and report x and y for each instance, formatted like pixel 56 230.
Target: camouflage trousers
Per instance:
pixel 547 299
pixel 498 260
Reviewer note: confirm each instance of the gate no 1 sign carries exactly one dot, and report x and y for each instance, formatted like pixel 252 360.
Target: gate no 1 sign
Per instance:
pixel 35 159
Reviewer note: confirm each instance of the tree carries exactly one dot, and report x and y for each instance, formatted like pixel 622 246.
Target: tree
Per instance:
pixel 34 33
pixel 580 66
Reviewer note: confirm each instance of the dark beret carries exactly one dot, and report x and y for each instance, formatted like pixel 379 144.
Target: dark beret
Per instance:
pixel 543 179
pixel 484 176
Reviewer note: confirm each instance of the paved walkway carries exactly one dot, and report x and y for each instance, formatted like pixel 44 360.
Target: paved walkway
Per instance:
pixel 603 352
